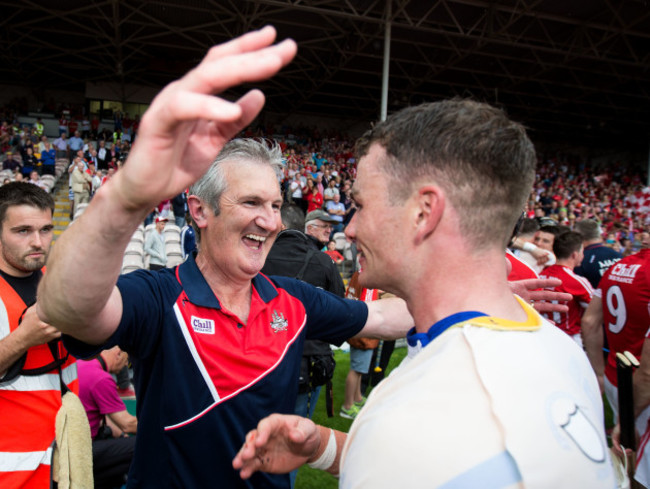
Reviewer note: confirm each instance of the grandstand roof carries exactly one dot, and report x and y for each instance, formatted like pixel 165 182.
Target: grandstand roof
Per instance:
pixel 578 68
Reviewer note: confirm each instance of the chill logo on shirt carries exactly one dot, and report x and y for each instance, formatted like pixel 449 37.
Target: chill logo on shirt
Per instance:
pixel 624 273
pixel 202 326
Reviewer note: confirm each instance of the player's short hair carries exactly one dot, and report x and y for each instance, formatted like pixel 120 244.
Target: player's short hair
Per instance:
pixel 211 186
pixel 554 230
pixel 484 162
pixel 589 229
pixel 566 243
pixel 528 227
pixel 23 193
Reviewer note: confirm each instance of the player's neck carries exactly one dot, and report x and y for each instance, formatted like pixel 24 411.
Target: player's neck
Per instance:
pixel 478 283
pixel 568 263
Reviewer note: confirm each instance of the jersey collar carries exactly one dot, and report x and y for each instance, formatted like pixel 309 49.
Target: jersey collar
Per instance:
pixel 417 341
pixel 199 292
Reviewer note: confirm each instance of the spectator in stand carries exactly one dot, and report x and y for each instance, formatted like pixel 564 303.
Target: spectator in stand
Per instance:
pixel 62 146
pixel 31 160
pixel 85 127
pixel 103 156
pixel 331 191
pixel 568 251
pixel 48 157
pixel 598 257
pixel 10 164
pixel 295 187
pixel 63 125
pixel 81 184
pixel 110 422
pixel 336 210
pixel 154 246
pixel 333 253
pixel 76 143
pixel 96 179
pixel 348 202
pixel 114 153
pixel 38 128
pixel 188 237
pixel 34 178
pixel 41 144
pixel 313 197
pixel 179 207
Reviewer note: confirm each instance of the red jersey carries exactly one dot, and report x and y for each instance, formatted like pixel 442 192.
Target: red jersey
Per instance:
pixel 625 292
pixel 581 290
pixel 519 270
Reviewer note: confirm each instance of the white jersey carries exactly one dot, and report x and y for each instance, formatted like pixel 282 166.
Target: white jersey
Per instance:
pixel 488 403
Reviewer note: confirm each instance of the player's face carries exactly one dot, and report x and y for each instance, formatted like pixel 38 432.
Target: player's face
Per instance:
pixel 25 239
pixel 376 225
pixel 544 240
pixel 239 238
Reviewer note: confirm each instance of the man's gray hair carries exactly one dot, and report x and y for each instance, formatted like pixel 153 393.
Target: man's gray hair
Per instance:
pixel 211 186
pixel 589 229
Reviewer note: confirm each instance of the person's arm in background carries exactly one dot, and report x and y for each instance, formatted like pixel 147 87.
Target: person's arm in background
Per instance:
pixel 592 337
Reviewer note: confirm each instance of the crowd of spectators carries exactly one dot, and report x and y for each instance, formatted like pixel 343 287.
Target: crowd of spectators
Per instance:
pixel 320 168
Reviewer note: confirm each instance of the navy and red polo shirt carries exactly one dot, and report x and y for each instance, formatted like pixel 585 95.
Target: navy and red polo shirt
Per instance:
pixel 203 379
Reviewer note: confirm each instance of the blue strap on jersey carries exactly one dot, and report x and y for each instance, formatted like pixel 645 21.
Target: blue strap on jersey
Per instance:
pixel 440 327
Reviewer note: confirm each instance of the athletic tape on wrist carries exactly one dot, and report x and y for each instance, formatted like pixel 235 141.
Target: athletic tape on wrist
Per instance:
pixel 529 247
pixel 326 459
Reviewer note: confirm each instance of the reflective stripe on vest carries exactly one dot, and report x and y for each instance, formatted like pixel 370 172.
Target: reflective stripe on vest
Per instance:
pixel 28 405
pixel 44 382
pixel 13 462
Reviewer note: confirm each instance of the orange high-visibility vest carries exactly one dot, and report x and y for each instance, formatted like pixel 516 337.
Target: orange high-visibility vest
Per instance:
pixel 28 406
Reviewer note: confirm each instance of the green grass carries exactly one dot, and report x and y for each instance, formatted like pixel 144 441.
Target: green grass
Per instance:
pixel 317 479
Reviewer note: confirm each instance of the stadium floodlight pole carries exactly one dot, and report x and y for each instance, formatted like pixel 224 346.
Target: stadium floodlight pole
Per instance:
pixel 384 77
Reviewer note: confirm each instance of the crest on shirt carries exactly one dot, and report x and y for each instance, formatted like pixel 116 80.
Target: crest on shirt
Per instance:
pixel 570 418
pixel 278 322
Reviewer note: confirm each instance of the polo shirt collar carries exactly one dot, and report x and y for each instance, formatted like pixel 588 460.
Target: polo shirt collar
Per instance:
pixel 199 292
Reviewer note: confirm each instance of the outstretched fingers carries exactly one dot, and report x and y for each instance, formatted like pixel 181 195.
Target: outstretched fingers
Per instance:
pixel 219 72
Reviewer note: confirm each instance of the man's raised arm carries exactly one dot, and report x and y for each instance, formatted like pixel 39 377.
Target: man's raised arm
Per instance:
pixel 180 135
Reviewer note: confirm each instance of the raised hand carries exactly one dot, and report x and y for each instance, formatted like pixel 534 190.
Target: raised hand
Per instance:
pixel 186 125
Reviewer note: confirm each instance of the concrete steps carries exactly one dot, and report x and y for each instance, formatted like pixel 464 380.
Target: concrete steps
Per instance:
pixel 61 217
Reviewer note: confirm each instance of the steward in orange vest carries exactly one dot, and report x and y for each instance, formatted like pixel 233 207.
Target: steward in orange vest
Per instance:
pixel 35 369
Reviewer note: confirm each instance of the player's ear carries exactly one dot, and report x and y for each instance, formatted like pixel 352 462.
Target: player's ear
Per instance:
pixel 429 207
pixel 198 210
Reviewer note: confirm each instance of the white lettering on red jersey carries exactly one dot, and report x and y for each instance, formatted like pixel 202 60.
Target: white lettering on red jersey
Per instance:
pixel 625 292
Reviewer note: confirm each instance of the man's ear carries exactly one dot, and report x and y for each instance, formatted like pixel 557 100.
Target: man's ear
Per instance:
pixel 429 207
pixel 198 210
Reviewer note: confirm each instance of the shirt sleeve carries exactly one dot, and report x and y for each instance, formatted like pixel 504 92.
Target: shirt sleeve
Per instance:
pixel 106 397
pixel 329 318
pixel 147 297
